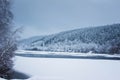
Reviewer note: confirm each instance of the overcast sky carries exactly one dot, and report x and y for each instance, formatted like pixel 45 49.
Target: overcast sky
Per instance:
pixel 41 17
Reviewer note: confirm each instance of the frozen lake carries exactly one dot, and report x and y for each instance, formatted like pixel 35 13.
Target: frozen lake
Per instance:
pixel 68 69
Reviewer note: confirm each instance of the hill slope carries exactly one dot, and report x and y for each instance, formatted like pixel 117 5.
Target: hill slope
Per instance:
pixel 102 39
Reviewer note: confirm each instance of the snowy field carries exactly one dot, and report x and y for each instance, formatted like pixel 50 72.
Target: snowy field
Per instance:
pixel 68 69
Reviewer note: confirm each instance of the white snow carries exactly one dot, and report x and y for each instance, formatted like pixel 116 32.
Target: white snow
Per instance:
pixel 68 69
pixel 2 79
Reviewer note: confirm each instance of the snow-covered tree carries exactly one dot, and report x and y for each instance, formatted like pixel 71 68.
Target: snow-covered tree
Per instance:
pixel 7 42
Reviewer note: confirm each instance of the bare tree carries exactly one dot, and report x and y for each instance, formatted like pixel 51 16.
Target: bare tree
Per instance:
pixel 7 38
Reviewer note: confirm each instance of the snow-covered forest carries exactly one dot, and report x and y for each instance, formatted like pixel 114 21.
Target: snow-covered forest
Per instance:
pixel 101 39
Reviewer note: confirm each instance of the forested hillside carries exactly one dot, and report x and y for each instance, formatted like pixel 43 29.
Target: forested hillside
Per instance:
pixel 101 39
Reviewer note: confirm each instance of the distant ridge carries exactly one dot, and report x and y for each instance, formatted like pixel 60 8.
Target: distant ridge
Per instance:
pixel 101 39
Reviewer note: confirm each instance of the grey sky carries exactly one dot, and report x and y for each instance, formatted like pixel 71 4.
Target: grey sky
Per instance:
pixel 41 17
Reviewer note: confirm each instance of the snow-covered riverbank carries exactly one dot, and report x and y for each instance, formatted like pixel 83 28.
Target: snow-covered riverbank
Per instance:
pixel 68 69
pixel 72 55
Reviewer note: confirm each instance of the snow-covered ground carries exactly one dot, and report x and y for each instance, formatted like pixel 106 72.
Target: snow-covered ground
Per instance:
pixel 68 69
